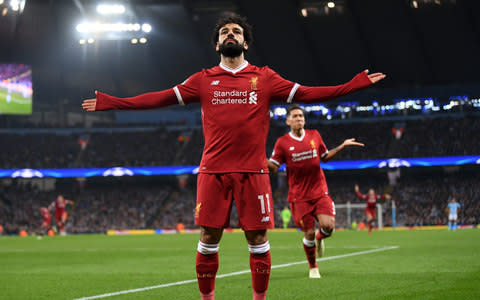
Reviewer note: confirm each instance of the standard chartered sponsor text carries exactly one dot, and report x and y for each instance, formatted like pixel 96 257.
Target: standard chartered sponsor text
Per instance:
pixel 229 97
pixel 304 155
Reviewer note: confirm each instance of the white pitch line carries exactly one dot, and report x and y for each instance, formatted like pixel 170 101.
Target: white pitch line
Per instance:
pixel 233 274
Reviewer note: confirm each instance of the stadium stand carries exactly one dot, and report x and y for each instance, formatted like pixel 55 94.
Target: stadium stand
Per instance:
pixel 447 137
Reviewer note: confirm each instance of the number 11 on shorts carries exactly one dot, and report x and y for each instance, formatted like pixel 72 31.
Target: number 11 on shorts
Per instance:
pixel 262 202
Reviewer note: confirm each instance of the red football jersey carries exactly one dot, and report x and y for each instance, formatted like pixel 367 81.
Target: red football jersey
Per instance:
pixel 235 110
pixel 235 114
pixel 371 199
pixel 302 157
pixel 59 205
pixel 45 215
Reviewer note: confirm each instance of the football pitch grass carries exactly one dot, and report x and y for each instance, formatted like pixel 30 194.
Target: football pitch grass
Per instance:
pixel 385 265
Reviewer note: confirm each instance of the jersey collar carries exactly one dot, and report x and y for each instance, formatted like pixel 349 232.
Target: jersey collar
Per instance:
pixel 296 137
pixel 236 70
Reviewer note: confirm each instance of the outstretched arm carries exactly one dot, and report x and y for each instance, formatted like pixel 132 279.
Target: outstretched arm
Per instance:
pixel 357 191
pixel 386 196
pixel 347 143
pixel 103 101
pixel 362 80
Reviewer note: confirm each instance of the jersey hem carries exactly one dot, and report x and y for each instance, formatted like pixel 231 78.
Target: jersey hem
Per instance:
pixel 308 199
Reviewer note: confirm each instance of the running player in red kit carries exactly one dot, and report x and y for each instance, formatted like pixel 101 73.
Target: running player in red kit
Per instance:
pixel 235 97
pixel 61 215
pixel 302 150
pixel 371 208
pixel 46 221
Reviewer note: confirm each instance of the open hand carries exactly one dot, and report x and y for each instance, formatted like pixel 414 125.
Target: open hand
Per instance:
pixel 90 104
pixel 375 77
pixel 351 142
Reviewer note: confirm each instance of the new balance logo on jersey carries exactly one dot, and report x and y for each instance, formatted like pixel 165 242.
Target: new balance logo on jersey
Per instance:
pixel 253 98
pixel 215 82
pixel 265 219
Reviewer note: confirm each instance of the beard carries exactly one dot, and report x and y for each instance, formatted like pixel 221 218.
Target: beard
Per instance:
pixel 231 50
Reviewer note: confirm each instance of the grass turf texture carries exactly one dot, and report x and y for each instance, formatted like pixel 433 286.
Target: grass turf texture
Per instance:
pixel 427 265
pixel 17 105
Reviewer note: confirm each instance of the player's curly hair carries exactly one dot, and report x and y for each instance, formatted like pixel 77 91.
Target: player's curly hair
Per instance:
pixel 292 107
pixel 233 18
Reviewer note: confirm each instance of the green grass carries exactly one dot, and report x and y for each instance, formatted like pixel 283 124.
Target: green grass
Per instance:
pixel 17 105
pixel 427 265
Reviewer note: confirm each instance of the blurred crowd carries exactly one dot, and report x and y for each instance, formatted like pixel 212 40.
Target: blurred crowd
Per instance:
pixel 421 199
pixel 95 210
pixel 446 137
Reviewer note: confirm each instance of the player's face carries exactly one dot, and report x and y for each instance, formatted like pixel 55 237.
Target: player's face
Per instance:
pixel 296 119
pixel 231 42
pixel 371 192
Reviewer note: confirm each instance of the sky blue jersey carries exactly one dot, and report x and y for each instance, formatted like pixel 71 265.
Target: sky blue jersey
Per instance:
pixel 453 207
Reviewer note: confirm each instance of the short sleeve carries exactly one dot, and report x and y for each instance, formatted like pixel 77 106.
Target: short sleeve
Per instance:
pixel 282 90
pixel 278 155
pixel 189 91
pixel 322 148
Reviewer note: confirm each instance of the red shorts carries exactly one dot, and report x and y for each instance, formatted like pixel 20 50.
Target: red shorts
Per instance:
pixel 305 212
pixel 61 216
pixel 372 211
pixel 252 194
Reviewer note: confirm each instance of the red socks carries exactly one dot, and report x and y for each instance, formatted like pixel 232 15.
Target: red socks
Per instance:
pixel 260 265
pixel 207 266
pixel 309 247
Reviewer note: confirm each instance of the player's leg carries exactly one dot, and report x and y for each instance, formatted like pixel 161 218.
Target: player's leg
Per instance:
pixel 60 225
pixel 212 213
pixel 304 217
pixel 207 260
pixel 64 218
pixel 253 198
pixel 454 222
pixel 260 261
pixel 325 215
pixel 326 224
pixel 370 219
pixel 309 248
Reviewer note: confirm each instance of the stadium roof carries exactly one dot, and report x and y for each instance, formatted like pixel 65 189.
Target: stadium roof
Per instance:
pixel 304 41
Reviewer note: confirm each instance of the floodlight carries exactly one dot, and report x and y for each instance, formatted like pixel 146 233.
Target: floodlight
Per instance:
pixel 146 28
pixel 110 9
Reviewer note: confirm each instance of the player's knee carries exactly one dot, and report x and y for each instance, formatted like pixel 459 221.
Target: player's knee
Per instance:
pixel 256 237
pixel 328 225
pixel 310 234
pixel 210 235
